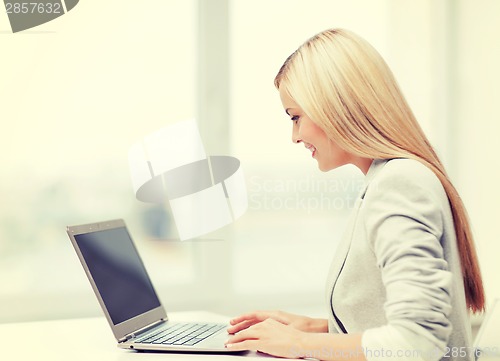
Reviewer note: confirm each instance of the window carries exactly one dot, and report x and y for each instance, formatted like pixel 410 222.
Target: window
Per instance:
pixel 78 91
pixel 76 94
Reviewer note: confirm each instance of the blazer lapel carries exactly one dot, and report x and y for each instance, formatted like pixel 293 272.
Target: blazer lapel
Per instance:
pixel 343 248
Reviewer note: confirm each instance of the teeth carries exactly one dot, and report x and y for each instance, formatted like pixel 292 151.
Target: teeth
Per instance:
pixel 310 147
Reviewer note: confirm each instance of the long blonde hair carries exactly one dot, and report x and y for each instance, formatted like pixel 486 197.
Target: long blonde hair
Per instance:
pixel 343 84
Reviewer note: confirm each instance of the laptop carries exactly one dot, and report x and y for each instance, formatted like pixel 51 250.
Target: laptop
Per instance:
pixel 127 296
pixel 487 342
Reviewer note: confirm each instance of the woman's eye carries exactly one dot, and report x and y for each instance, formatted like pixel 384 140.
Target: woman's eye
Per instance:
pixel 295 118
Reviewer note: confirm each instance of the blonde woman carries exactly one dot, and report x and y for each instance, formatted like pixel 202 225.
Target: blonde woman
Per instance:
pixel 405 275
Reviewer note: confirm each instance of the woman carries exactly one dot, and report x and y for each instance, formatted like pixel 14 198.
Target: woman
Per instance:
pixel 406 273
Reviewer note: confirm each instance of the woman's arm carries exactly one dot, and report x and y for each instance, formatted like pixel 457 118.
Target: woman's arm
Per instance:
pixel 328 346
pixel 406 212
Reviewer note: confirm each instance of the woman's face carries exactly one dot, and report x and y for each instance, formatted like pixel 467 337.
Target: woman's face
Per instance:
pixel 326 152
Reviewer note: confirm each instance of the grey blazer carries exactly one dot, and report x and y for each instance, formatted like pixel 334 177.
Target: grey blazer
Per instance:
pixel 396 275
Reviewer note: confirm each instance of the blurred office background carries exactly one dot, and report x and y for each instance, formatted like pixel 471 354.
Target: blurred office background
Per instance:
pixel 77 92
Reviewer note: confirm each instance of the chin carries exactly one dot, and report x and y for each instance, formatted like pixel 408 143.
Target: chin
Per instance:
pixel 325 168
pixel 328 167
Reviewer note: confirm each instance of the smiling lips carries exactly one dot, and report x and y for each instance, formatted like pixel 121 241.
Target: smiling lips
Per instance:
pixel 311 148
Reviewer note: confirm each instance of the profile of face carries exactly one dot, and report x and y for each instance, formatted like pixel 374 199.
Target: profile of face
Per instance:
pixel 326 152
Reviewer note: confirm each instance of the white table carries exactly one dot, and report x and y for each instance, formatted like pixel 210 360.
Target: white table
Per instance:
pixel 91 339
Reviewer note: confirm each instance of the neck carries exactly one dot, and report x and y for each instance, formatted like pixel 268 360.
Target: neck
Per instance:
pixel 363 164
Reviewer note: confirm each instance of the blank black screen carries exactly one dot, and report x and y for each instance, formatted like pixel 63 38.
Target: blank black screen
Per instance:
pixel 118 272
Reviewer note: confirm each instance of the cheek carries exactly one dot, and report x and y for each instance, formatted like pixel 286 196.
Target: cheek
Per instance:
pixel 336 150
pixel 312 131
pixel 332 153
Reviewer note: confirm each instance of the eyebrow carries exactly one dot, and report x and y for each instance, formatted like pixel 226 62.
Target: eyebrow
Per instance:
pixel 287 111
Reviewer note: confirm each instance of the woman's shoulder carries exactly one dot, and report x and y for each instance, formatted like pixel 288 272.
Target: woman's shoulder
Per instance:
pixel 407 174
pixel 408 168
pixel 406 187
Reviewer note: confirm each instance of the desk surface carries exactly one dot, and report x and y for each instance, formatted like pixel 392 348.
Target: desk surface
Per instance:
pixel 90 339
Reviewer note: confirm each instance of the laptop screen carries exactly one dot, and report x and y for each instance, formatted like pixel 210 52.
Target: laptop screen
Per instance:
pixel 118 273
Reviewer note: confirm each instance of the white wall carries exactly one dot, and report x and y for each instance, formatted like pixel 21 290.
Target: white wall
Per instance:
pixel 75 93
pixel 478 127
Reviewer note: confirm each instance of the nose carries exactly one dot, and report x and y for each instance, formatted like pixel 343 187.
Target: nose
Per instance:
pixel 295 135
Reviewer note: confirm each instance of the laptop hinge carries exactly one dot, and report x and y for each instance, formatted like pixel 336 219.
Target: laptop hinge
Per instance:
pixel 141 330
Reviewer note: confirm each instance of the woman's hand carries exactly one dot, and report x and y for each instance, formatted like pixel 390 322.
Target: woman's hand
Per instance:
pixel 301 323
pixel 269 336
pixel 283 334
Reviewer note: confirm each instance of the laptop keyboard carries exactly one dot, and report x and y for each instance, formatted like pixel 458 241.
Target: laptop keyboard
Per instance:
pixel 186 334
